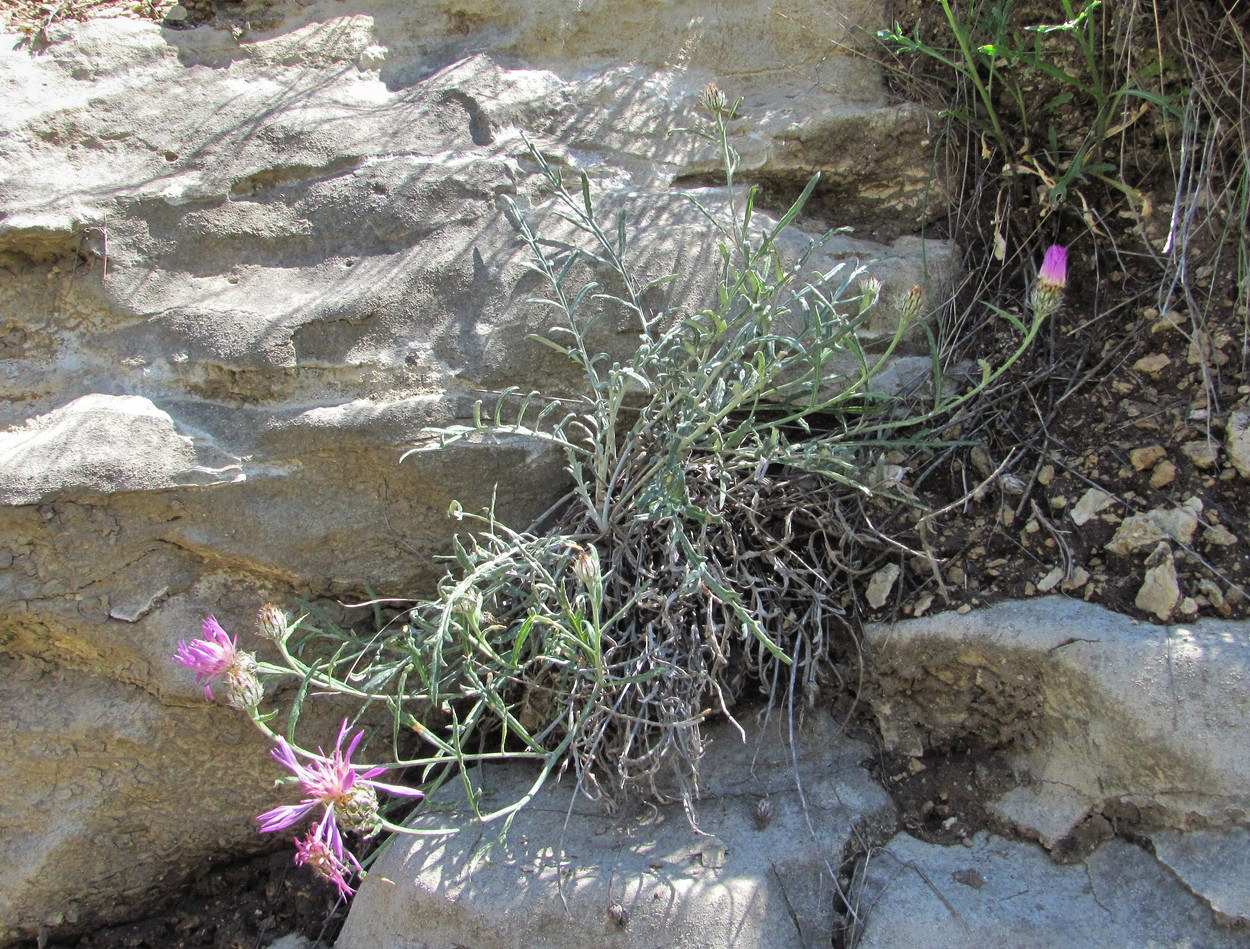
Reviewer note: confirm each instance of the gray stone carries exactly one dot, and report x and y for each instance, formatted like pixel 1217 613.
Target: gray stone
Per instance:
pixel 1007 893
pixel 1214 864
pixel 1140 531
pixel 1091 502
pixel 880 584
pixel 1237 439
pixel 1160 590
pixel 569 872
pixel 1112 710
pixel 292 941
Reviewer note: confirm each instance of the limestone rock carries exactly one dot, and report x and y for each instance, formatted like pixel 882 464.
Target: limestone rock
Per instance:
pixel 1007 893
pixel 1237 439
pixel 1112 709
pixel 1146 530
pixel 1160 590
pixel 1214 864
pixel 569 873
pixel 243 271
pixel 880 584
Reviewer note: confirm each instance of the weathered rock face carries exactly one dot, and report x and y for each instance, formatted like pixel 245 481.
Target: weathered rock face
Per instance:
pixel 571 875
pixel 1096 710
pixel 240 271
pixel 1111 727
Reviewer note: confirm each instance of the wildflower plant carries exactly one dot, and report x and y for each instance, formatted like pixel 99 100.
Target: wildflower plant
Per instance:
pixel 704 552
pixel 1004 64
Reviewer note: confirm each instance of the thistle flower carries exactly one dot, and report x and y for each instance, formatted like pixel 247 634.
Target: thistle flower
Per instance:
pixel 349 796
pixel 586 568
pixel 909 304
pixel 1047 290
pixel 713 100
pixel 869 291
pixel 322 849
pixel 272 623
pixel 243 689
pixel 218 655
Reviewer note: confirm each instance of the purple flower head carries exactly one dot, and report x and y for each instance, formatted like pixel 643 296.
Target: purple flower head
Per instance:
pixel 335 783
pixel 1054 272
pixel 1047 292
pixel 322 849
pixel 214 655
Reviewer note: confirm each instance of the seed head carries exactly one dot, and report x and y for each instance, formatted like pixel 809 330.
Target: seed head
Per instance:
pixel 764 812
pixel 587 570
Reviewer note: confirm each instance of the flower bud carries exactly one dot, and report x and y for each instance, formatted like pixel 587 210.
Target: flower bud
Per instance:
pixel 272 623
pixel 713 100
pixel 589 573
pixel 1047 292
pixel 909 305
pixel 869 291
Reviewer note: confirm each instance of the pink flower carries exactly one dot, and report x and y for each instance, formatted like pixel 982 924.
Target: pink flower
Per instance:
pixel 322 849
pixel 218 655
pixel 1047 292
pixel 1054 272
pixel 333 782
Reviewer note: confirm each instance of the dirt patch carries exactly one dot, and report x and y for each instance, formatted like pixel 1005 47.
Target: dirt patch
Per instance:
pixel 1123 406
pixel 241 905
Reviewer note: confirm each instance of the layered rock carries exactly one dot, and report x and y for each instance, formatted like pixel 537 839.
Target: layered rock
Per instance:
pixel 242 269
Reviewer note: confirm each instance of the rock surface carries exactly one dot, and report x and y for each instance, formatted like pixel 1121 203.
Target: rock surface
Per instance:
pixel 570 875
pixel 1114 713
pixel 1007 893
pixel 241 271
pixel 1214 864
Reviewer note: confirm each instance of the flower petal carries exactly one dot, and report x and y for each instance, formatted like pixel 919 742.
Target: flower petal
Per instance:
pixel 285 816
pixel 396 789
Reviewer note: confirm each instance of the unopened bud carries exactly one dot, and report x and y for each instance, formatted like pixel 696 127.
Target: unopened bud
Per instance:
pixel 869 291
pixel 272 623
pixel 713 100
pixel 1047 292
pixel 467 605
pixel 909 305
